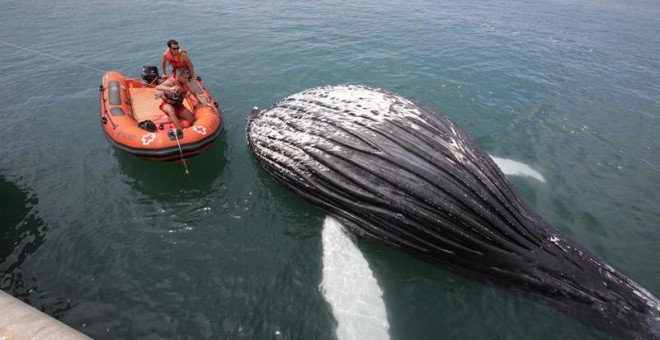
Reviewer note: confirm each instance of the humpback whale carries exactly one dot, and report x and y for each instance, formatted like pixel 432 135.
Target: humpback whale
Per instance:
pixel 394 171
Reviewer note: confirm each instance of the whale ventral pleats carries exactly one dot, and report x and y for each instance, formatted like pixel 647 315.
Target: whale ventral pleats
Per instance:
pixel 407 176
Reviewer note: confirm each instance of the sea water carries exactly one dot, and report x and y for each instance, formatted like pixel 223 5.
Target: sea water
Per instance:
pixel 117 247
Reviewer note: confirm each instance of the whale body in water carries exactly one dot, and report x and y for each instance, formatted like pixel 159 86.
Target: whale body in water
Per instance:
pixel 394 171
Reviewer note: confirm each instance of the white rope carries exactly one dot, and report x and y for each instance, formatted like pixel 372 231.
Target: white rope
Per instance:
pixel 52 56
pixel 95 69
pixel 176 135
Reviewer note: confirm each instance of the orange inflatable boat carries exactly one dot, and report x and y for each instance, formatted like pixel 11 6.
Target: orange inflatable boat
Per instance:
pixel 128 106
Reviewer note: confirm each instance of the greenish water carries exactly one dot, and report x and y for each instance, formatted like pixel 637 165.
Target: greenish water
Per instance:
pixel 117 247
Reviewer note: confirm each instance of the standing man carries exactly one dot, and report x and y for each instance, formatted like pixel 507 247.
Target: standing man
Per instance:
pixel 178 58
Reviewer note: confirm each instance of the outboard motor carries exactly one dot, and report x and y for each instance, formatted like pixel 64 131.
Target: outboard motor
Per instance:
pixel 150 75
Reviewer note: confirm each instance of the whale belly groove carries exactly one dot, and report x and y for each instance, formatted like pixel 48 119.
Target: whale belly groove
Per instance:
pixel 399 173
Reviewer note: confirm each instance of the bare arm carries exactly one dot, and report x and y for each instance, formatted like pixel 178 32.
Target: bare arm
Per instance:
pixel 163 65
pixel 186 59
pixel 167 86
pixel 200 100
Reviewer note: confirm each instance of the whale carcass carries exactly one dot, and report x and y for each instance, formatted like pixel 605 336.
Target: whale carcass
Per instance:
pixel 399 173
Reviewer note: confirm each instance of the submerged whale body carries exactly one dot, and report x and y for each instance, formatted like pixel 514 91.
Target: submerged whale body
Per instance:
pixel 406 176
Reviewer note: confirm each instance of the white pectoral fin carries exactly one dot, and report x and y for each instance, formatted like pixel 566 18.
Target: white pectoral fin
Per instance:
pixel 350 287
pixel 514 168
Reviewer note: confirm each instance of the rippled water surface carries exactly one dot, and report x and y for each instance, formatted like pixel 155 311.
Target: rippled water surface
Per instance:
pixel 117 247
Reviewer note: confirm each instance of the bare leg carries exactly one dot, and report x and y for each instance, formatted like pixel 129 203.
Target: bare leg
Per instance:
pixel 169 109
pixel 189 116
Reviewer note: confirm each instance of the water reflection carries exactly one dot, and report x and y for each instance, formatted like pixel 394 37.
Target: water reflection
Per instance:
pixel 168 180
pixel 21 235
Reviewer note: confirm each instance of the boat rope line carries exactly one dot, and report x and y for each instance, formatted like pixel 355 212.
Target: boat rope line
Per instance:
pixel 52 56
pixel 176 135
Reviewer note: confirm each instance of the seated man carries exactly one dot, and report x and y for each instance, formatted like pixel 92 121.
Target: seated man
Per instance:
pixel 174 91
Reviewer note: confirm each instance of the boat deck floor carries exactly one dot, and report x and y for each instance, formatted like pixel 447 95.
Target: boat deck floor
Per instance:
pixel 146 104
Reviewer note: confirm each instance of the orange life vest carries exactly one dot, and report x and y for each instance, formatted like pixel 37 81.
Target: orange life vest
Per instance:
pixel 175 99
pixel 175 60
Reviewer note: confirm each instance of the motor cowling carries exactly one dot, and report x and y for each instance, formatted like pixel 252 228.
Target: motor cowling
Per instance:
pixel 150 75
